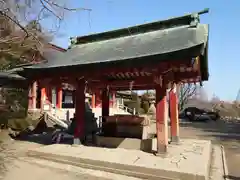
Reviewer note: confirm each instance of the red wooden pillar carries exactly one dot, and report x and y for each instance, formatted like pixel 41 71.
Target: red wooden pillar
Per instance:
pixel 161 119
pixel 113 99
pixel 49 94
pixel 34 95
pixel 74 98
pixel 93 101
pixel 30 98
pixel 105 103
pixel 174 114
pixel 105 107
pixel 43 97
pixel 59 97
pixel 79 113
pixel 98 100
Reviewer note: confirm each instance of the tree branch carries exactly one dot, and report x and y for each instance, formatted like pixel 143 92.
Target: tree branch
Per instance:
pixel 45 7
pixel 186 91
pixel 15 43
pixel 66 8
pixel 14 21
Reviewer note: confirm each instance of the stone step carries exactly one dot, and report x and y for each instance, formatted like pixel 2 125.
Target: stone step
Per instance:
pixel 84 173
pixel 176 164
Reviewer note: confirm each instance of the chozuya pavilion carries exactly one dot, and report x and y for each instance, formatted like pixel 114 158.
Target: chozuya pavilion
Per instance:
pixel 157 55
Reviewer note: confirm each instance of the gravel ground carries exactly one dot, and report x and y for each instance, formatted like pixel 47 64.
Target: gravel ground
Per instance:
pixel 226 133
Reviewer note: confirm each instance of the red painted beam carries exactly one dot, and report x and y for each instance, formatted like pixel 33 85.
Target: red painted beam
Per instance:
pixel 148 87
pixel 134 87
pixel 146 82
pixel 142 81
pixel 160 67
pixel 155 68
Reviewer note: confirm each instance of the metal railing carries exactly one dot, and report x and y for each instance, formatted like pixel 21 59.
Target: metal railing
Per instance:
pixel 49 117
pixel 127 109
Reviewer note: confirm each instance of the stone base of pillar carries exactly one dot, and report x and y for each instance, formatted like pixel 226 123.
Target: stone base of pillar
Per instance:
pixel 77 141
pixel 175 140
pixel 161 149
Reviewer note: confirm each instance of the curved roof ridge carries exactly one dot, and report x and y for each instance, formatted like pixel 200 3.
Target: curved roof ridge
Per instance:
pixel 189 19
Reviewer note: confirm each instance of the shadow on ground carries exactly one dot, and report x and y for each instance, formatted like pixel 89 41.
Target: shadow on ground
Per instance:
pixel 44 139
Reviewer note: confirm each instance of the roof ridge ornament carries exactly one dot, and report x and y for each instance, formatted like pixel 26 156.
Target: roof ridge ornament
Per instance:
pixel 195 20
pixel 204 11
pixel 196 17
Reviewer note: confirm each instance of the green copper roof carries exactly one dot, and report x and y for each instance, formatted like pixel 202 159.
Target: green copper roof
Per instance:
pixel 129 47
pixel 189 19
pixel 161 38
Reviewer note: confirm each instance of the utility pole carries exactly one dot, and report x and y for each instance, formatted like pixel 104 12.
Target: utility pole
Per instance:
pixel 238 96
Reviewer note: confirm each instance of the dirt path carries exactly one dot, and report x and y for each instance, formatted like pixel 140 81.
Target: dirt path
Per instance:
pixel 220 132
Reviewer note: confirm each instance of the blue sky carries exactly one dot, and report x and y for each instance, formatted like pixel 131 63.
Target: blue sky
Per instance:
pixel 224 30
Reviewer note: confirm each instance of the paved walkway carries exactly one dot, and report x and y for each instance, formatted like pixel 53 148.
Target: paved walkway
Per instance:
pixel 220 132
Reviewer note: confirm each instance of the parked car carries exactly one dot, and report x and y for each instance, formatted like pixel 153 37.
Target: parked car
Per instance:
pixel 196 114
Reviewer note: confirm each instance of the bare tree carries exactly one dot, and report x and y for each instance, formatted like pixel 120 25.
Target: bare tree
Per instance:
pixel 185 92
pixel 23 36
pixel 16 37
